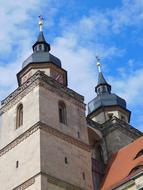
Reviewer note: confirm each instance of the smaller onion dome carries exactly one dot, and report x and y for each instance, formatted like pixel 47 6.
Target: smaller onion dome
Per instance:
pixel 104 96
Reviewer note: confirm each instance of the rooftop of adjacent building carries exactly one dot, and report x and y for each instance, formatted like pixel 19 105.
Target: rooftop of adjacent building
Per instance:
pixel 124 164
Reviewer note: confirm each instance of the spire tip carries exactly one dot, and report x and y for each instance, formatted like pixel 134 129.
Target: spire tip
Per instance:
pixel 98 64
pixel 41 23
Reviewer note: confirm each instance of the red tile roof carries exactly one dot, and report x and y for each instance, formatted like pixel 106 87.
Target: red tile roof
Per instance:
pixel 121 164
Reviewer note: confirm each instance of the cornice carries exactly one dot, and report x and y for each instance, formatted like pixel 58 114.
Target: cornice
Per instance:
pixel 64 137
pixel 62 93
pixel 61 183
pixel 33 65
pixel 26 184
pixel 19 93
pixel 48 129
pixel 62 88
pixel 116 123
pixel 41 79
pixel 19 139
pixel 93 124
pixel 51 179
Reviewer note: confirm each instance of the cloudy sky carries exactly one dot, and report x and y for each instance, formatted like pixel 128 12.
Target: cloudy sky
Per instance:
pixel 78 30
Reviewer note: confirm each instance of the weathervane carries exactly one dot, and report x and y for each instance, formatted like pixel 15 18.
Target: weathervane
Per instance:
pixel 98 64
pixel 41 23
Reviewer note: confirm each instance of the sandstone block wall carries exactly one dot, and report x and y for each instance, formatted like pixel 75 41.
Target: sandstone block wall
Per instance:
pixel 27 154
pixel 53 153
pixel 8 131
pixel 49 114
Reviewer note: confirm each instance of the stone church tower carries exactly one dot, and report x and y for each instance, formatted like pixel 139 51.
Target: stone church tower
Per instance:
pixel 109 128
pixel 46 140
pixel 43 135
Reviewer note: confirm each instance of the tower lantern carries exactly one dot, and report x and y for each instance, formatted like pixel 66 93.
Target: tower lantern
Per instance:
pixel 106 104
pixel 43 60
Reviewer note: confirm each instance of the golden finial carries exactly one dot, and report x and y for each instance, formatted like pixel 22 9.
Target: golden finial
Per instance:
pixel 98 64
pixel 41 23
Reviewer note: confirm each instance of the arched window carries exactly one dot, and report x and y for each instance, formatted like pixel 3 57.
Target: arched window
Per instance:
pixel 98 90
pixel 62 113
pixel 44 48
pixel 97 153
pixel 35 48
pixel 19 117
pixel 40 47
pixel 103 89
pixel 97 165
pixel 100 151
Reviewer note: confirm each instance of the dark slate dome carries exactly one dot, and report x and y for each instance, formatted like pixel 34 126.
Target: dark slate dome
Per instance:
pixel 41 57
pixel 105 100
pixel 104 96
pixel 41 53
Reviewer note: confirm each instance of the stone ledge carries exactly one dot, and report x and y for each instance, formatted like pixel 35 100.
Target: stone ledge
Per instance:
pixel 48 129
pixel 64 137
pixel 61 183
pixel 25 185
pixel 39 78
pixel 115 123
pixel 51 179
pixel 94 124
pixel 19 139
pixel 20 89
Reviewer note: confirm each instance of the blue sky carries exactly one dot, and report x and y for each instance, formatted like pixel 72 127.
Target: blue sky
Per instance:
pixel 78 31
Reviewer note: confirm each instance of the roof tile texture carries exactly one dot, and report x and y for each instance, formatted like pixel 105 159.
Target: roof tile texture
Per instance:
pixel 122 163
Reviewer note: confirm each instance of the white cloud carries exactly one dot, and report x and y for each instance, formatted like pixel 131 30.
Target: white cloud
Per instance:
pixel 79 61
pixel 13 43
pixel 130 86
pixel 84 39
pixel 16 21
pixel 77 45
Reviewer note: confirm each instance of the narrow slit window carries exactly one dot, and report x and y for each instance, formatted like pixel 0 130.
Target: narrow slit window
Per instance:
pixel 19 117
pixel 83 175
pixel 66 160
pixel 17 164
pixel 78 135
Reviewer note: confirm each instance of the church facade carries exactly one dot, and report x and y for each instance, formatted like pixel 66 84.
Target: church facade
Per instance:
pixel 48 143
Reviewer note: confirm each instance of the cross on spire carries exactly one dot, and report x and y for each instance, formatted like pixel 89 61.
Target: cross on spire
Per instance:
pixel 41 23
pixel 98 64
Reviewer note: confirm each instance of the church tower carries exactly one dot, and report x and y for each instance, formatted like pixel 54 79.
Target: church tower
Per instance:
pixel 43 135
pixel 108 127
pixel 108 114
pixel 106 104
pixel 41 59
